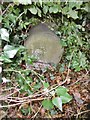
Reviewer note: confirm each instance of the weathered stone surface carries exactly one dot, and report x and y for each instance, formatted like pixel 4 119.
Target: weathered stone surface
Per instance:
pixel 44 44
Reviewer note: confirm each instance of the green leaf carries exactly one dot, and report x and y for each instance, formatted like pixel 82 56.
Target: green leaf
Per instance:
pixel 53 9
pixel 46 84
pixel 47 104
pixel 12 18
pixel 45 9
pixel 65 10
pixel 23 1
pixel 37 86
pixel 40 1
pixel 75 64
pixel 62 68
pixel 86 8
pixel 39 12
pixel 66 98
pixel 73 14
pixel 10 51
pixel 1 18
pixel 61 90
pixel 75 4
pixel 4 34
pixel 5 59
pixel 57 102
pixel 33 10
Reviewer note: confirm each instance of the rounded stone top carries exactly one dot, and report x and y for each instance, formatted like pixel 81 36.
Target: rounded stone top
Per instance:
pixel 44 44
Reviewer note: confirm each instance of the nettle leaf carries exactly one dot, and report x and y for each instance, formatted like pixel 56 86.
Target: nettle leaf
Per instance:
pixel 10 51
pixel 57 101
pixel 66 98
pixel 73 14
pixel 33 10
pixel 4 34
pixel 61 90
pixel 47 104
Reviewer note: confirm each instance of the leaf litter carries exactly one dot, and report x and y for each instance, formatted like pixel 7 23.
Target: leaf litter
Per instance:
pixel 21 106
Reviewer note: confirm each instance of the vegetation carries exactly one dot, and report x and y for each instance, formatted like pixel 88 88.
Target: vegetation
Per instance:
pixel 25 86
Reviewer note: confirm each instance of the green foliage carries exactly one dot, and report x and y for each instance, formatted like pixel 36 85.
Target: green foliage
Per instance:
pixel 57 102
pixel 62 98
pixel 45 84
pixel 66 98
pixel 70 19
pixel 4 34
pixel 74 42
pixel 10 51
pixel 61 91
pixel 25 111
pixel 47 104
pixel 16 21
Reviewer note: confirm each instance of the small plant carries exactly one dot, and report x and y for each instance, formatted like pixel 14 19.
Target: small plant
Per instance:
pixel 62 97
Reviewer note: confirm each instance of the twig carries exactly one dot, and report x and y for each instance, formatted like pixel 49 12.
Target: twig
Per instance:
pixel 6 9
pixel 69 65
pixel 3 97
pixel 8 89
pixel 28 101
pixel 82 113
pixel 37 112
pixel 17 18
pixel 31 97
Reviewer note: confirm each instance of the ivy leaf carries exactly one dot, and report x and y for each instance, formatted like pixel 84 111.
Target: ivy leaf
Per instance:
pixel 53 9
pixel 33 10
pixel 57 102
pixel 45 9
pixel 45 84
pixel 39 12
pixel 4 34
pixel 12 18
pixel 37 86
pixel 61 90
pixel 66 98
pixel 47 104
pixel 75 4
pixel 73 14
pixel 65 10
pixel 40 1
pixel 1 18
pixel 86 8
pixel 23 1
pixel 5 59
pixel 10 51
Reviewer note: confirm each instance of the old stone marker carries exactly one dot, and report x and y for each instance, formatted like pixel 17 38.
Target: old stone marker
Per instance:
pixel 44 44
